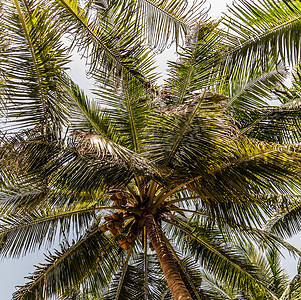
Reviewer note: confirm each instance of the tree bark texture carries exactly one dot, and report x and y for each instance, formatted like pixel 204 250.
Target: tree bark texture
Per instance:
pixel 169 268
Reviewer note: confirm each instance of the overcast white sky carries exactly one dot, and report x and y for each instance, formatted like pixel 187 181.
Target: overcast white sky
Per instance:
pixel 12 273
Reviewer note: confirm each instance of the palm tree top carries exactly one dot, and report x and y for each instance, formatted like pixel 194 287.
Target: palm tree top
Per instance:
pixel 192 167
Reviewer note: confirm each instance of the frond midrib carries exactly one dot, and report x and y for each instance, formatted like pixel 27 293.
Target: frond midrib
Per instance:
pixel 123 273
pixel 183 130
pixel 57 216
pixel 111 54
pixel 32 52
pixel 132 121
pixel 83 111
pixel 249 85
pixel 58 260
pixel 167 13
pixel 261 36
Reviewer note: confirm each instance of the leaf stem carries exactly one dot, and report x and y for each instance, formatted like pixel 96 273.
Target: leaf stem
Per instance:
pixel 123 273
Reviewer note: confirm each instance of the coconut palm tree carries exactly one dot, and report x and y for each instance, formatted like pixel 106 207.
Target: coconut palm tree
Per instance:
pixel 141 168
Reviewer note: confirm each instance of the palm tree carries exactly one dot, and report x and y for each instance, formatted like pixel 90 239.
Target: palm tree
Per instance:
pixel 141 167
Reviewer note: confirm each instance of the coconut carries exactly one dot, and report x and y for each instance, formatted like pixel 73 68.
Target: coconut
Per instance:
pixel 114 197
pixel 110 225
pixel 115 216
pixel 119 195
pixel 125 246
pixel 122 241
pixel 103 228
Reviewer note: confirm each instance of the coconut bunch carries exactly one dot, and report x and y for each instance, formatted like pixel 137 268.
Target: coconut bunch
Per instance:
pixel 114 223
pixel 127 242
pixel 119 199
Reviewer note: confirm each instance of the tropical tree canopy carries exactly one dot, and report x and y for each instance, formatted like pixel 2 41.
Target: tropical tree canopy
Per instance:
pixel 152 192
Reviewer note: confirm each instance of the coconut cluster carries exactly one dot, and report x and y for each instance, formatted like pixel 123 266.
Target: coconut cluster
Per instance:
pixel 127 242
pixel 114 223
pixel 119 199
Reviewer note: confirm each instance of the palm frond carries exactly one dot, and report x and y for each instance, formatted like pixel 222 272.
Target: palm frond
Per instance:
pixel 197 67
pixel 126 283
pixel 162 22
pixel 219 257
pixel 24 232
pixel 81 164
pixel 133 282
pixel 251 151
pixel 286 221
pixel 256 92
pixel 280 278
pixel 226 189
pixel 102 148
pixel 271 267
pixel 260 29
pixel 88 114
pixel 33 64
pixel 113 42
pixel 275 124
pixel 66 268
pixel 190 132
pixel 128 107
pixel 280 123
pixel 216 289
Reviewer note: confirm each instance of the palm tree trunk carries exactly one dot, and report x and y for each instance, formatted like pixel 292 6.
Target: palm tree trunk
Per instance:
pixel 169 268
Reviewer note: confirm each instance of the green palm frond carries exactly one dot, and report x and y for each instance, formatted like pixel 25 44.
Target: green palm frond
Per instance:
pixel 88 114
pixel 82 163
pixel 99 147
pixel 219 257
pixel 115 45
pixel 260 29
pixel 23 232
pixel 236 226
pixel 255 93
pixel 286 221
pixel 189 132
pixel 14 197
pixel 162 22
pixel 131 287
pixel 269 264
pixel 293 291
pixel 233 183
pixel 216 289
pixel 33 63
pixel 275 124
pixel 128 107
pixel 197 67
pixel 279 277
pixel 66 268
pixel 31 193
pixel 251 153
pixel 290 96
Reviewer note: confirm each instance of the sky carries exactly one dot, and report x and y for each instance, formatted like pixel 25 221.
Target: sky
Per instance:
pixel 12 273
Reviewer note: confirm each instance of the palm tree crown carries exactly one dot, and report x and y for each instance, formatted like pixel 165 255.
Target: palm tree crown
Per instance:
pixel 190 168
